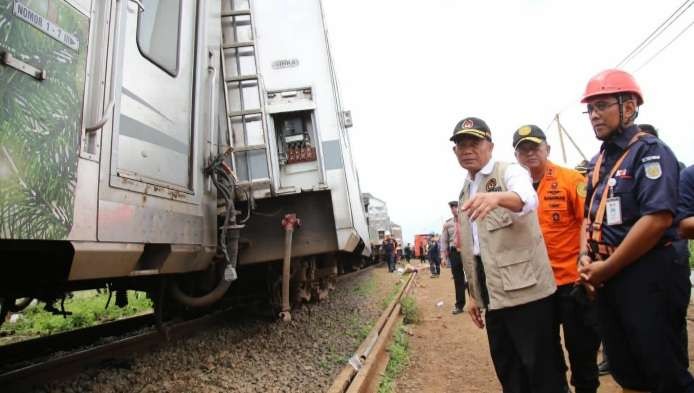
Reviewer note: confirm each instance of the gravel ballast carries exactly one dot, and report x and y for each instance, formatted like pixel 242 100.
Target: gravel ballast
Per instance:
pixel 302 355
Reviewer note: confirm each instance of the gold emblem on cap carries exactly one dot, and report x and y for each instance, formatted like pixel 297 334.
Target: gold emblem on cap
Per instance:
pixel 524 131
pixel 468 123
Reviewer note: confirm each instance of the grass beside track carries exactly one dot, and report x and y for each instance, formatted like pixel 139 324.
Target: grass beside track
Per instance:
pixel 399 358
pixel 87 308
pixel 398 352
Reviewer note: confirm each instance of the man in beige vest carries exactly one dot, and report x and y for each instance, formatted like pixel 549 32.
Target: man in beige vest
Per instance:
pixel 505 259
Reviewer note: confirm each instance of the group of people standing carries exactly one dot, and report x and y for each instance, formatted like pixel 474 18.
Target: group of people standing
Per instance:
pixel 545 247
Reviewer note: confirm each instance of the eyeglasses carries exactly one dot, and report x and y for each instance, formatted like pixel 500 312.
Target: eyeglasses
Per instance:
pixel 599 106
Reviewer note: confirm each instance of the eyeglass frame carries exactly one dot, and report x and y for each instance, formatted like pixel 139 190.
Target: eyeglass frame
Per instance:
pixel 591 108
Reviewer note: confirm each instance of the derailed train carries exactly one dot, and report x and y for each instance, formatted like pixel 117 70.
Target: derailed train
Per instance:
pixel 168 146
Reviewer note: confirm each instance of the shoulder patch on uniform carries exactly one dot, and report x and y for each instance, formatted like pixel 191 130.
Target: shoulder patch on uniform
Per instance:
pixel 650 158
pixel 581 190
pixel 653 170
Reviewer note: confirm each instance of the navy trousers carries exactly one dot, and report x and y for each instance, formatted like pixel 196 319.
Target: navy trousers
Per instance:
pixel 640 317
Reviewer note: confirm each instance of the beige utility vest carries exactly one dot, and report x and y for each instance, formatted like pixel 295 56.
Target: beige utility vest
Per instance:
pixel 512 249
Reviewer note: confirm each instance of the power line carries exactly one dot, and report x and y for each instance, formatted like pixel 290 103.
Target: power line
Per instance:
pixel 646 42
pixel 662 31
pixel 656 33
pixel 666 46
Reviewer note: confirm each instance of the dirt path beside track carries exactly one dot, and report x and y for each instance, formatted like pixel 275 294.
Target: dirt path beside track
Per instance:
pixel 447 352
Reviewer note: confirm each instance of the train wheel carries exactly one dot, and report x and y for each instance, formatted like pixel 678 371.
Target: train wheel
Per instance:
pixel 20 304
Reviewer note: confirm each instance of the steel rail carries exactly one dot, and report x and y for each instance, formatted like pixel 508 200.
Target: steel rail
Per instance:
pixel 69 364
pixel 368 362
pixel 34 348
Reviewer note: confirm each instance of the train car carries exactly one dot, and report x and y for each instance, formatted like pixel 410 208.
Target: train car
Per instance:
pixel 378 222
pixel 421 242
pixel 159 146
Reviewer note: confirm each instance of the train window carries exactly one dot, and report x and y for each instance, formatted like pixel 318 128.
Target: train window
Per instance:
pixel 158 33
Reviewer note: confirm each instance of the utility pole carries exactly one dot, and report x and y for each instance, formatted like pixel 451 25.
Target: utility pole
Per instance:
pixel 562 131
pixel 561 137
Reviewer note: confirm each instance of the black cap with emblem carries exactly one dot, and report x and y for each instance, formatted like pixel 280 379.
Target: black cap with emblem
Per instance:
pixel 530 133
pixel 471 126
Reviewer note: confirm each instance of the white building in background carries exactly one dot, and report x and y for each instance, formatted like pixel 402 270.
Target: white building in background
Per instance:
pixel 396 232
pixel 376 217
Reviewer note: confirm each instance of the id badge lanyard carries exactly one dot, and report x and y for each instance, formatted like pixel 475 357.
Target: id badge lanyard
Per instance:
pixel 613 209
pixel 609 205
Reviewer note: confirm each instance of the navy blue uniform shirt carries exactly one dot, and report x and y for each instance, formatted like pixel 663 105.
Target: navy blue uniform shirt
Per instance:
pixel 646 183
pixel 389 246
pixel 685 208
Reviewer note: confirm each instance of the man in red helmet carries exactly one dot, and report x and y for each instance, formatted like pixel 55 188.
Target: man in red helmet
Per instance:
pixel 627 259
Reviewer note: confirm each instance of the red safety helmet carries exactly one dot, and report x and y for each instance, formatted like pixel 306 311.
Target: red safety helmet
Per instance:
pixel 612 81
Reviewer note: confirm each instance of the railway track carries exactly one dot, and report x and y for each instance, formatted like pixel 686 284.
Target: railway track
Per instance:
pixel 361 374
pixel 39 361
pixel 24 375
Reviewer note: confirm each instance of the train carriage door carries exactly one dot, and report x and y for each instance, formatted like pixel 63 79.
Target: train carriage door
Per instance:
pixel 153 136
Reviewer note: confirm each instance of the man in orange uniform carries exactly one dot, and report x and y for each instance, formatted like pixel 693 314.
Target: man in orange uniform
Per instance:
pixel 561 192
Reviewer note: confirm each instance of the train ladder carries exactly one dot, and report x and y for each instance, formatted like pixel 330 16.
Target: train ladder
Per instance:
pixel 243 100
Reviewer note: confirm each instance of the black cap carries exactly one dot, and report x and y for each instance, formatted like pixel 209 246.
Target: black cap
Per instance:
pixel 472 126
pixel 453 203
pixel 582 167
pixel 530 133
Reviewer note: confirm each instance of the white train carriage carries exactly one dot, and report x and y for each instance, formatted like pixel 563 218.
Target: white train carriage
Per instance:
pixel 277 61
pixel 119 120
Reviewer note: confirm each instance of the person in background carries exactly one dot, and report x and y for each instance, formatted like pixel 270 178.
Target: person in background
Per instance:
pixel 561 192
pixel 434 258
pixel 422 253
pixel 683 285
pixel 408 252
pixel 685 206
pixel 389 250
pixel 506 263
pixel 450 253
pixel 627 261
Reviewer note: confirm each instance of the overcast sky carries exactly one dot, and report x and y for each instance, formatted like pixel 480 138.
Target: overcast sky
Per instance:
pixel 410 70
